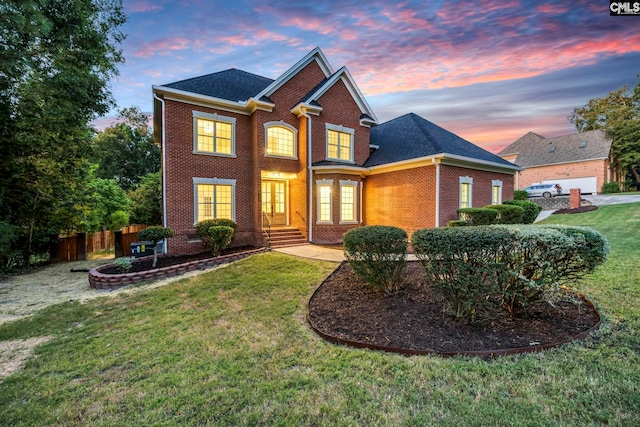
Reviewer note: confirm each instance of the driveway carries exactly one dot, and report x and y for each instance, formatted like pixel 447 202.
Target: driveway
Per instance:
pixel 612 199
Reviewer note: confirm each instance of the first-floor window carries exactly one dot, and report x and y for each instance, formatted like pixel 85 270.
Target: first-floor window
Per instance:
pixel 214 199
pixel 325 206
pixel 348 201
pixel 496 192
pixel 466 184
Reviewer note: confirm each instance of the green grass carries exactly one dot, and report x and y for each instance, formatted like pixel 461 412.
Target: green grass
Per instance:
pixel 232 347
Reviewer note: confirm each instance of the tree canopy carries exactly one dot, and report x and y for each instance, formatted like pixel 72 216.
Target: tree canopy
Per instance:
pixel 56 60
pixel 618 114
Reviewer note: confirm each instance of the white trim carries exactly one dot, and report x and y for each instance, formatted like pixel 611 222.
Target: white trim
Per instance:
pixel 282 124
pixel 465 180
pixel 340 129
pixel 215 117
pixel 354 185
pixel 437 163
pixel 213 181
pixel 319 184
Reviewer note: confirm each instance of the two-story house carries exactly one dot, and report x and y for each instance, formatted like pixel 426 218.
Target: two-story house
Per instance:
pixel 307 153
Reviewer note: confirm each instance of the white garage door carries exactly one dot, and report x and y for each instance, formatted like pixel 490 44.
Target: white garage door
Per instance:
pixel 588 185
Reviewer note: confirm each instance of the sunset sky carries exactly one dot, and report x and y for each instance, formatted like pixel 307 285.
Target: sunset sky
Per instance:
pixel 487 70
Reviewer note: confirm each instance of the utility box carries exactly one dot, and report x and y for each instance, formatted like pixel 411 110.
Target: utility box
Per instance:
pixel 145 248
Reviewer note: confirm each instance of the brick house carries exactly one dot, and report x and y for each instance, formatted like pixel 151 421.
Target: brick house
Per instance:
pixel 580 160
pixel 305 154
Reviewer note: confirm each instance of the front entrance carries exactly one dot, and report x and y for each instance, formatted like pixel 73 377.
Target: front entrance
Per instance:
pixel 274 202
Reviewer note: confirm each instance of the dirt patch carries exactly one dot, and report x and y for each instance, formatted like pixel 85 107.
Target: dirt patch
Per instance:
pixel 413 319
pixel 13 354
pixel 581 209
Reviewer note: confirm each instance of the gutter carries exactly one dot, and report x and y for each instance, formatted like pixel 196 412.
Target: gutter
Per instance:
pixel 303 112
pixel 437 163
pixel 164 170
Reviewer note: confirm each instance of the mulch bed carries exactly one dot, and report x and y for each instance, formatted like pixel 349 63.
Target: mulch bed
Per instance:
pixel 581 209
pixel 145 264
pixel 344 308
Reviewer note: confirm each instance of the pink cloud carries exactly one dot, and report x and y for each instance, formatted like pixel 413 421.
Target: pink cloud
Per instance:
pixel 162 46
pixel 140 6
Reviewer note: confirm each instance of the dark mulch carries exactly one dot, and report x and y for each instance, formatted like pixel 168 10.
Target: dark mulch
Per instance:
pixel 145 264
pixel 576 210
pixel 345 308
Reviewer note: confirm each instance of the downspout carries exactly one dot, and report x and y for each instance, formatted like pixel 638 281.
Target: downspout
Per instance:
pixel 309 175
pixel 164 170
pixel 437 163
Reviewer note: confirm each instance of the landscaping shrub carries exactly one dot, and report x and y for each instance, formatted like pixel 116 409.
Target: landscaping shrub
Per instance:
pixel 610 187
pixel 154 235
pixel 457 223
pixel 520 195
pixel 462 264
pixel 478 216
pixel 219 237
pixel 479 269
pixel 202 228
pixel 377 253
pixel 531 210
pixel 124 264
pixel 508 214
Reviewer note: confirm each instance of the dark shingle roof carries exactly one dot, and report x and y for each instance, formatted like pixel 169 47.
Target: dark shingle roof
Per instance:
pixel 535 150
pixel 410 137
pixel 232 85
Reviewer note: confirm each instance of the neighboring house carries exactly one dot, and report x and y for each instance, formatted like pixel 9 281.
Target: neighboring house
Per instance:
pixel 305 151
pixel 579 160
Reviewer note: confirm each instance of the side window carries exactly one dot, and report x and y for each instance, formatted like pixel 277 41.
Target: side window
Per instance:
pixel 214 198
pixel 325 203
pixel 339 143
pixel 214 134
pixel 466 190
pixel 281 140
pixel 496 192
pixel 348 205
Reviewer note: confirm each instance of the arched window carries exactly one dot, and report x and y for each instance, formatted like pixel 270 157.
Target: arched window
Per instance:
pixel 281 140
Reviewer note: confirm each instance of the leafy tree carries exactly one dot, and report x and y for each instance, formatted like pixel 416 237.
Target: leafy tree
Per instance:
pixel 154 235
pixel 618 114
pixel 146 206
pixel 56 60
pixel 125 151
pixel 104 199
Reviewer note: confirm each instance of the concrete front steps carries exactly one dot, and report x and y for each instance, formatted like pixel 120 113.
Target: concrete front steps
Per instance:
pixel 282 237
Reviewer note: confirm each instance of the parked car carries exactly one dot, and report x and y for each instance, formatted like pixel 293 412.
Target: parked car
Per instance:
pixel 544 190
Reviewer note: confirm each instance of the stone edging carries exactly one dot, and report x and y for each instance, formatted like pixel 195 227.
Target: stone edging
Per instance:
pixel 100 280
pixel 486 354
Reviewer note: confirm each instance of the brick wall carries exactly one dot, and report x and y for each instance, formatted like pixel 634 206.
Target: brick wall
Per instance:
pixel 537 174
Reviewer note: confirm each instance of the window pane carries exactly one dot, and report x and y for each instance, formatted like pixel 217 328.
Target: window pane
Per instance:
pixel 223 201
pixel 223 138
pixel 280 141
pixel 465 195
pixel 347 203
pixel 205 202
pixel 338 145
pixel 214 137
pixel 325 203
pixel 205 135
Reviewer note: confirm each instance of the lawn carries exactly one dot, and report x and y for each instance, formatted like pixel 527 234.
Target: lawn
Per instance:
pixel 232 347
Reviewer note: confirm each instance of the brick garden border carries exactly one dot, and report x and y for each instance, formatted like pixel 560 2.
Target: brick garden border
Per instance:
pixel 98 280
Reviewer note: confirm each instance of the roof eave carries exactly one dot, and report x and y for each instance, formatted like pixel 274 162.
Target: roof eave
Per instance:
pixel 448 159
pixel 196 98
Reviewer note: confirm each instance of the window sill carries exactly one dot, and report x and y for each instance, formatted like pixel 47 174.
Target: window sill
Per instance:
pixel 276 156
pixel 208 153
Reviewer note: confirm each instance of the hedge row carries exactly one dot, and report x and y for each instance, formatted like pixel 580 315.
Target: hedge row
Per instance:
pixel 511 212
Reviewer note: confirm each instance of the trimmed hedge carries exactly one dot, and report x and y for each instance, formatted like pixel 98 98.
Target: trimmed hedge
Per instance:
pixel 508 214
pixel 457 223
pixel 377 253
pixel 202 228
pixel 520 195
pixel 478 216
pixel 531 210
pixel 481 269
pixel 219 237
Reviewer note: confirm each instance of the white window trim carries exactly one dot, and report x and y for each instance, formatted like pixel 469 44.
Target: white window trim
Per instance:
pixel 217 118
pixel 465 180
pixel 320 183
pixel 213 181
pixel 295 140
pixel 354 184
pixel 342 129
pixel 496 183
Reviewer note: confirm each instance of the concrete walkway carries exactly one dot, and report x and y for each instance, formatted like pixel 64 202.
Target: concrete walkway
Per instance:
pixel 314 252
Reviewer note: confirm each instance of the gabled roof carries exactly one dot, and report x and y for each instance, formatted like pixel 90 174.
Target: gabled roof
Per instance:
pixel 535 150
pixel 412 137
pixel 232 85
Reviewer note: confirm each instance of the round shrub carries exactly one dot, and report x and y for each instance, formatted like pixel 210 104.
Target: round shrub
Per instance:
pixel 154 235
pixel 520 195
pixel 219 237
pixel 202 228
pixel 508 214
pixel 377 253
pixel 478 216
pixel 610 187
pixel 531 210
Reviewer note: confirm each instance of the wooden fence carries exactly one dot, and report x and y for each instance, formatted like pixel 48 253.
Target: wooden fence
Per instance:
pixel 77 246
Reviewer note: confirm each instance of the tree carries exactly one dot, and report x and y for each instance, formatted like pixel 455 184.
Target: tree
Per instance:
pixel 125 151
pixel 146 206
pixel 618 114
pixel 104 199
pixel 56 60
pixel 154 235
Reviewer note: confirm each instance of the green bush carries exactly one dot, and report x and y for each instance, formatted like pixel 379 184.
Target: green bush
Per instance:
pixel 219 237
pixel 478 216
pixel 154 235
pixel 508 214
pixel 202 228
pixel 457 223
pixel 480 269
pixel 531 210
pixel 124 263
pixel 377 254
pixel 610 187
pixel 520 195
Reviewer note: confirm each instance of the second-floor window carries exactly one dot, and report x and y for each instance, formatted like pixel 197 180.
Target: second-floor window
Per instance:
pixel 339 143
pixel 214 134
pixel 281 140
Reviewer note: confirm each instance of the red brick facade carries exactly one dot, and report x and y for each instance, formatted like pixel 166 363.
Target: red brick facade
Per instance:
pixel 537 174
pixel 402 197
